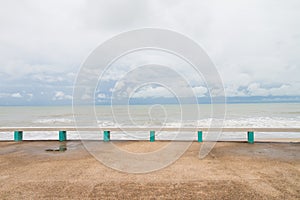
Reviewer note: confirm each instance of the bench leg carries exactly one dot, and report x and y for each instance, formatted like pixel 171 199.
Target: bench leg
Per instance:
pixel 106 136
pixel 152 136
pixel 200 136
pixel 62 136
pixel 250 136
pixel 18 136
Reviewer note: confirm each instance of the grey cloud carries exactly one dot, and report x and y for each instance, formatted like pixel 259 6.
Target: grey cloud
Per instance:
pixel 115 15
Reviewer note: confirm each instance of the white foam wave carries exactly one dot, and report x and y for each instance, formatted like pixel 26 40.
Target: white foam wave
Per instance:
pixel 274 122
pixel 54 121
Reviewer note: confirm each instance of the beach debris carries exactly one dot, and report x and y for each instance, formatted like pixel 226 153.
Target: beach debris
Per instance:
pixel 62 148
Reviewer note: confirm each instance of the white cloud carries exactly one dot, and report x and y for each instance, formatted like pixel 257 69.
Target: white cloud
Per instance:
pixel 235 91
pixel 152 92
pixel 48 78
pixel 162 92
pixel 101 96
pixel 255 89
pixel 13 95
pixel 59 95
pixel 16 95
pixel 200 91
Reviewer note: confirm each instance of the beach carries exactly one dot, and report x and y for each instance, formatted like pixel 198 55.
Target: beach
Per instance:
pixel 232 170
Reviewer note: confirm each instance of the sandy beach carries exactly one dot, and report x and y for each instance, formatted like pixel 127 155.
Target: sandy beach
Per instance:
pixel 232 170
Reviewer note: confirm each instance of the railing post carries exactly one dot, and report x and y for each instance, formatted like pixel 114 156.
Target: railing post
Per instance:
pixel 152 136
pixel 250 136
pixel 18 136
pixel 106 136
pixel 62 136
pixel 200 136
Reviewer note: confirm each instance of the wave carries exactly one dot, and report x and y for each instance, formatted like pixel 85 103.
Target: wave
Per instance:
pixel 54 121
pixel 274 122
pixel 241 122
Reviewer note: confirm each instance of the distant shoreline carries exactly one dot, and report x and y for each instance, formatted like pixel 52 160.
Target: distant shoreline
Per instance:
pixel 230 102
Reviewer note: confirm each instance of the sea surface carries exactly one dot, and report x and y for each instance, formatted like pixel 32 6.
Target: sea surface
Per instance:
pixel 274 115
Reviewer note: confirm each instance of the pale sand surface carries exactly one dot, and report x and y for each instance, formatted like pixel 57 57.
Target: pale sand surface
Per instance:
pixel 232 170
pixel 279 140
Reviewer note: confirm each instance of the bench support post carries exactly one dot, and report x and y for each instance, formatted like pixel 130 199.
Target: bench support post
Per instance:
pixel 250 136
pixel 152 136
pixel 200 139
pixel 106 136
pixel 18 136
pixel 62 136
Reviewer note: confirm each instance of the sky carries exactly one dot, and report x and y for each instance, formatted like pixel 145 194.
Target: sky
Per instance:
pixel 254 45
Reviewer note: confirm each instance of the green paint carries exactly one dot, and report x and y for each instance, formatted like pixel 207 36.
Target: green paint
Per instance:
pixel 152 136
pixel 18 136
pixel 62 136
pixel 250 136
pixel 106 136
pixel 200 136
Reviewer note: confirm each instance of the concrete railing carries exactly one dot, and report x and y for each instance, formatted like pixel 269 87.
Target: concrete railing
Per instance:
pixel 62 131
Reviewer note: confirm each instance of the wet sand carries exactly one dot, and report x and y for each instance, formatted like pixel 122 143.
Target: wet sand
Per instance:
pixel 232 170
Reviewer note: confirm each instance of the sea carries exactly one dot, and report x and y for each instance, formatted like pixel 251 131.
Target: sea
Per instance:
pixel 269 115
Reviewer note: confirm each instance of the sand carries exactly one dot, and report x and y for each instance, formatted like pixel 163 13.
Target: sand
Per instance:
pixel 232 170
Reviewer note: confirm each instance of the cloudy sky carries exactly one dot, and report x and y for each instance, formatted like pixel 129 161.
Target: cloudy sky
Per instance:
pixel 254 44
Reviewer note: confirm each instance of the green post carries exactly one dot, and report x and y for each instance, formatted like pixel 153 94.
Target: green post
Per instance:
pixel 106 136
pixel 200 136
pixel 152 136
pixel 62 136
pixel 18 136
pixel 250 136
